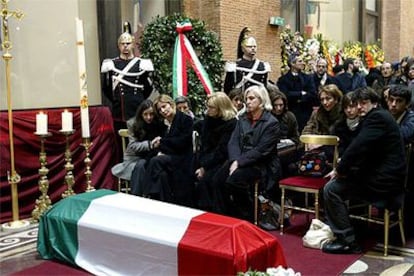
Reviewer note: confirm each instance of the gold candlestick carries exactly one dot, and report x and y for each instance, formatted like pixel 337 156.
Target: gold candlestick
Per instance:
pixel 88 173
pixel 69 178
pixel 13 178
pixel 43 203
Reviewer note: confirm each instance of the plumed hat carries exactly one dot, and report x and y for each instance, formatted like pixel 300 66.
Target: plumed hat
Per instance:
pixel 244 34
pixel 126 36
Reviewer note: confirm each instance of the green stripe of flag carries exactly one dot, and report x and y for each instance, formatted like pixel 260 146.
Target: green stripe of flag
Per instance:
pixel 58 238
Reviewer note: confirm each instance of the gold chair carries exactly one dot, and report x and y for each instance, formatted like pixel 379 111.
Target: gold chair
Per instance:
pixel 307 184
pixel 393 210
pixel 123 185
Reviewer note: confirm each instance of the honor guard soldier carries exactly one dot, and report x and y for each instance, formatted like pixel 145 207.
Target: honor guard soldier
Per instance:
pixel 127 80
pixel 247 70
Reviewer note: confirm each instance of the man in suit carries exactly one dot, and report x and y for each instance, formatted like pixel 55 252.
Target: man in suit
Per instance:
pixel 299 89
pixel 372 168
pixel 321 76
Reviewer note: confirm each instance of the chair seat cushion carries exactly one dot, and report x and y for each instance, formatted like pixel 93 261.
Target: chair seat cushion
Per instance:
pixel 393 203
pixel 316 183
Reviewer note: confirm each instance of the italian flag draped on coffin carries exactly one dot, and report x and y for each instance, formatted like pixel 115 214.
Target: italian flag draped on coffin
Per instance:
pixel 109 233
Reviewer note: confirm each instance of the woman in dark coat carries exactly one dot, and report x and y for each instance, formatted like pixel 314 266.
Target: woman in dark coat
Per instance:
pixel 169 175
pixel 252 154
pixel 216 130
pixel 143 130
pixel 323 120
pixel 288 123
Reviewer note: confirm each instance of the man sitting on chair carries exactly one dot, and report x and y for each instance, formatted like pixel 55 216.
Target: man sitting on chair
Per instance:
pixel 372 168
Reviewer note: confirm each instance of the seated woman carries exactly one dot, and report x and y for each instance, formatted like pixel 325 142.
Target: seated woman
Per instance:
pixel 216 130
pixel 143 131
pixel 288 124
pixel 236 97
pixel 169 174
pixel 323 119
pixel 289 134
pixel 252 155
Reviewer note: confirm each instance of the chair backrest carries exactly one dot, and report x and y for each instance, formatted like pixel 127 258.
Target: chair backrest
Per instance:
pixel 323 140
pixel 123 132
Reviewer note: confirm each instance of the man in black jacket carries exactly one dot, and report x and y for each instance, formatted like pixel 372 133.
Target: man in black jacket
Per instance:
pixel 372 168
pixel 299 89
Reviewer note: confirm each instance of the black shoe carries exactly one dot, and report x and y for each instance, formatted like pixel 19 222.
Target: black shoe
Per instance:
pixel 341 247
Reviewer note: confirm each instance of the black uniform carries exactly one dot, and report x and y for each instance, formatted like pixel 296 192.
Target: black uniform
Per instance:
pixel 128 92
pixel 234 79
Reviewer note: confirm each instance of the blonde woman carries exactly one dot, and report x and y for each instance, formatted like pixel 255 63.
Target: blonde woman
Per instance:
pixel 169 174
pixel 252 155
pixel 215 133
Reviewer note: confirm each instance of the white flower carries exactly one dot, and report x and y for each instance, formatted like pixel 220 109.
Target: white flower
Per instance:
pixel 280 271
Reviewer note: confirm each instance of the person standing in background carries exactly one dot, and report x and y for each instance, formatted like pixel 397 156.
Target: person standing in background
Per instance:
pixel 247 70
pixel 299 89
pixel 126 81
pixel 321 76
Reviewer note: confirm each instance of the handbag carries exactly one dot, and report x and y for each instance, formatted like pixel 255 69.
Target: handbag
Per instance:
pixel 314 163
pixel 318 234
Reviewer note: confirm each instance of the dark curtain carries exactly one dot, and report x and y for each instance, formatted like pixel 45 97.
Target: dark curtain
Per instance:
pixel 27 148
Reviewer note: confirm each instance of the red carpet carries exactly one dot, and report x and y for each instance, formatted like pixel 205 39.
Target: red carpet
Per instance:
pixel 310 261
pixel 51 268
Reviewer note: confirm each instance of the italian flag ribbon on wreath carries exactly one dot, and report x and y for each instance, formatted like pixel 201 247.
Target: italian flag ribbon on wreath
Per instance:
pixel 183 51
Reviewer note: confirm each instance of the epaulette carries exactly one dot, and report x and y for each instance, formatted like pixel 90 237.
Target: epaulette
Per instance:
pixel 107 65
pixel 146 65
pixel 230 66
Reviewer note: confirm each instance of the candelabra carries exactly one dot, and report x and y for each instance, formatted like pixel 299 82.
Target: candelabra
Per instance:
pixel 13 177
pixel 69 178
pixel 43 203
pixel 88 173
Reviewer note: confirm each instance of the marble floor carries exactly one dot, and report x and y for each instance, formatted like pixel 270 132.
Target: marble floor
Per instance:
pixel 18 251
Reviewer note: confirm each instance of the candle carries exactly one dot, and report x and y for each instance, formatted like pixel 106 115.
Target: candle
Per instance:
pixel 67 121
pixel 41 123
pixel 82 79
pixel 85 120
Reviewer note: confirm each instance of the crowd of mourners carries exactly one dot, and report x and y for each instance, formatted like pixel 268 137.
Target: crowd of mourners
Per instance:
pixel 211 162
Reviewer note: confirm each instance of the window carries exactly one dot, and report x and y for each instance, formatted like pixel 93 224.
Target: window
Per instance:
pixel 337 20
pixel 371 21
pixel 112 14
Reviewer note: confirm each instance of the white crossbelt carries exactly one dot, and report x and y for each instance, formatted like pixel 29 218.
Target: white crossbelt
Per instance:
pixel 117 79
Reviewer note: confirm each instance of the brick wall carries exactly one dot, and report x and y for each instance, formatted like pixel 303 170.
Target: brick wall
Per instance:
pixel 228 18
pixel 407 28
pixel 397 29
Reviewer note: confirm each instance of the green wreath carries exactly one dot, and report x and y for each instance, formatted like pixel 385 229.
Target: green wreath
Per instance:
pixel 158 45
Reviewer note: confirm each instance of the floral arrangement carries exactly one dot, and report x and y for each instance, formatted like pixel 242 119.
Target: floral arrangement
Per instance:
pixel 353 49
pixel 291 43
pixel 312 52
pixel 271 271
pixel 374 55
pixel 158 43
pixel 311 49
